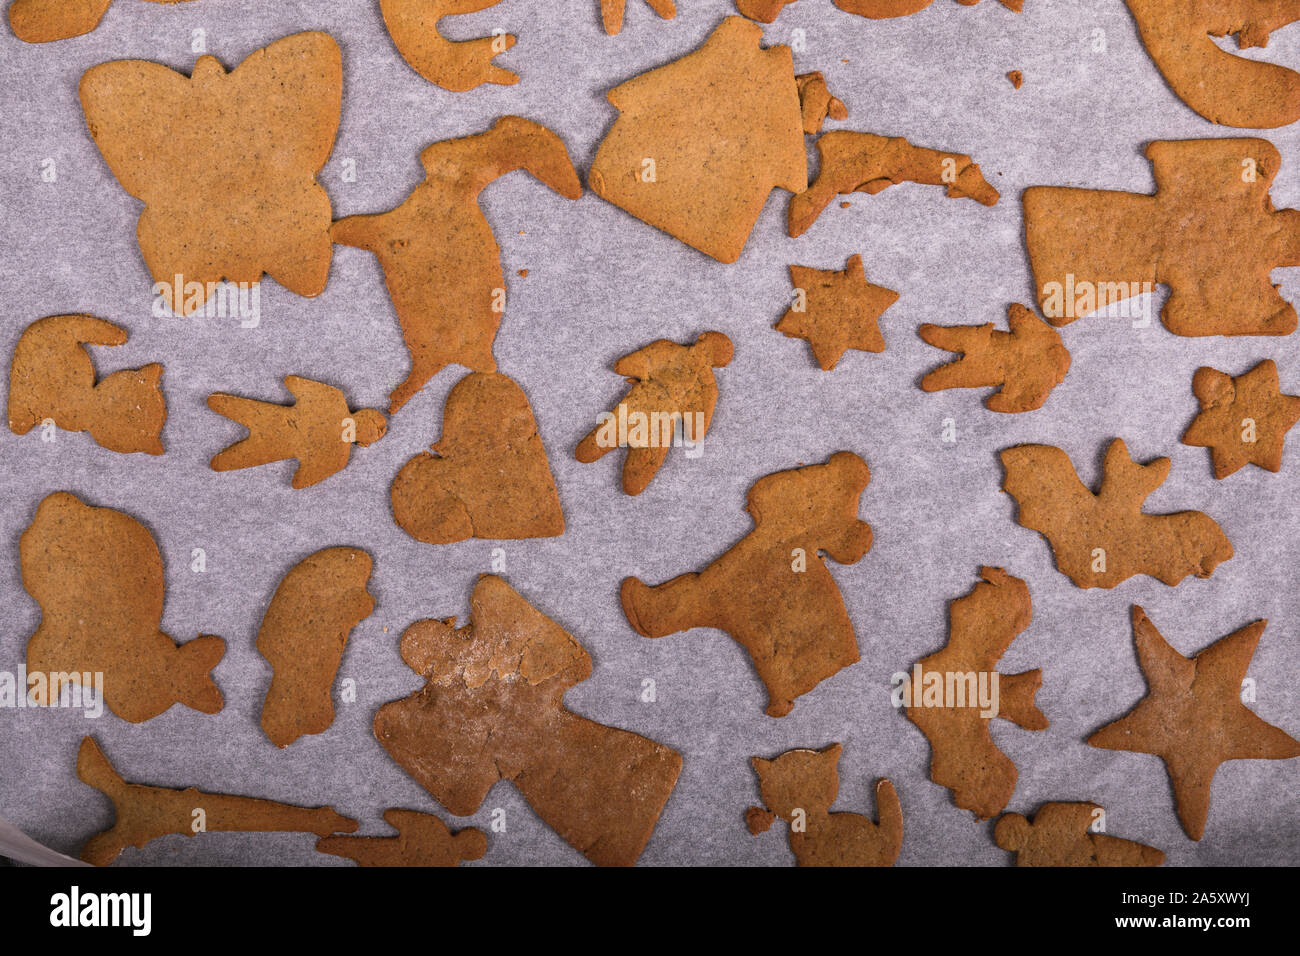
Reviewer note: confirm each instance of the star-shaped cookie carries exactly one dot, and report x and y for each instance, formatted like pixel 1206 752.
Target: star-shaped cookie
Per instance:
pixel 1193 718
pixel 836 311
pixel 1243 420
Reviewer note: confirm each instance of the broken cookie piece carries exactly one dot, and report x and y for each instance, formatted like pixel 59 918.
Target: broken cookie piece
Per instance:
pixel 1025 363
pixel 1063 834
pixel 422 840
pixel 816 102
pixel 53 378
pixel 836 311
pixel 799 787
pixel 454 65
pixel 441 261
pixel 318 431
pixel 611 12
pixel 492 709
pixel 303 635
pixel 1243 420
pixel 867 163
pixel 146 813
pixel 98 577
pixel 487 476
pixel 1104 539
pixel 671 402
pixel 772 592
pixel 953 694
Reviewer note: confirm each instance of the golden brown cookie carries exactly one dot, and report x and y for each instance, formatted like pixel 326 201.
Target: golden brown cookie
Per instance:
pixel 953 694
pixel 1243 420
pixel 487 476
pixel 611 12
pixel 671 402
pixel 764 11
pixel 1193 717
pixel 42 21
pixel 441 262
pixel 492 709
pixel 52 377
pixel 146 813
pixel 700 142
pixel 816 102
pixel 455 65
pixel 1103 539
pixel 1025 363
pixel 888 9
pixel 303 635
pixel 422 840
pixel 318 430
pixel 1224 88
pixel 799 787
pixel 772 591
pixel 213 212
pixel 867 163
pixel 836 311
pixel 1210 233
pixel 98 577
pixel 1061 834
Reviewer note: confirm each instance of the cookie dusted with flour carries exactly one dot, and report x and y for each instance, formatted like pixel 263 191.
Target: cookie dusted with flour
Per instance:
pixel 1243 420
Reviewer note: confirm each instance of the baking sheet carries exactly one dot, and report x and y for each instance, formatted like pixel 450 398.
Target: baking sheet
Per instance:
pixel 601 284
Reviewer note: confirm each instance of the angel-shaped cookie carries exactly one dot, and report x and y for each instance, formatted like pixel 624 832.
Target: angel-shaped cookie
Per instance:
pixel 671 401
pixel 1063 834
pixel 318 430
pixel 441 262
pixel 215 210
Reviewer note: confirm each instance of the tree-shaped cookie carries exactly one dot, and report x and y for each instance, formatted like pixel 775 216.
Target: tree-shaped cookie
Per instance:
pixel 671 402
pixel 492 709
pixel 953 694
pixel 455 65
pixel 441 262
pixel 701 142
pixel 1103 539
pixel 213 212
pixel 145 813
pixel 318 430
pixel 799 787
pixel 836 311
pixel 43 21
pixel 1025 363
pixel 1193 717
pixel 1210 233
pixel 52 377
pixel 867 163
pixel 611 12
pixel 98 577
pixel 303 635
pixel 487 476
pixel 422 840
pixel 1063 834
pixel 1222 87
pixel 772 591
pixel 1243 420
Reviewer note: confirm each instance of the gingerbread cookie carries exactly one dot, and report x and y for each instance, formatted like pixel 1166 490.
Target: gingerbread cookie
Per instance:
pixel 867 163
pixel 43 21
pixel 1061 834
pixel 1223 88
pixel 1210 233
pixel 772 591
pixel 98 577
pixel 816 102
pixel 1193 717
pixel 52 377
pixel 492 709
pixel 303 636
pixel 422 840
pixel 487 476
pixel 764 11
pixel 705 182
pixel 888 9
pixel 1103 539
pixel 953 694
pixel 671 402
pixel 214 213
pixel 1025 363
pixel 455 65
pixel 146 813
pixel 799 787
pixel 836 311
pixel 441 262
pixel 611 12
pixel 318 430
pixel 1017 78
pixel 1243 420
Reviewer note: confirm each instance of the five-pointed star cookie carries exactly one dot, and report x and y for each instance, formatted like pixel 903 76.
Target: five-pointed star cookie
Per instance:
pixel 1243 420
pixel 836 311
pixel 1193 718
